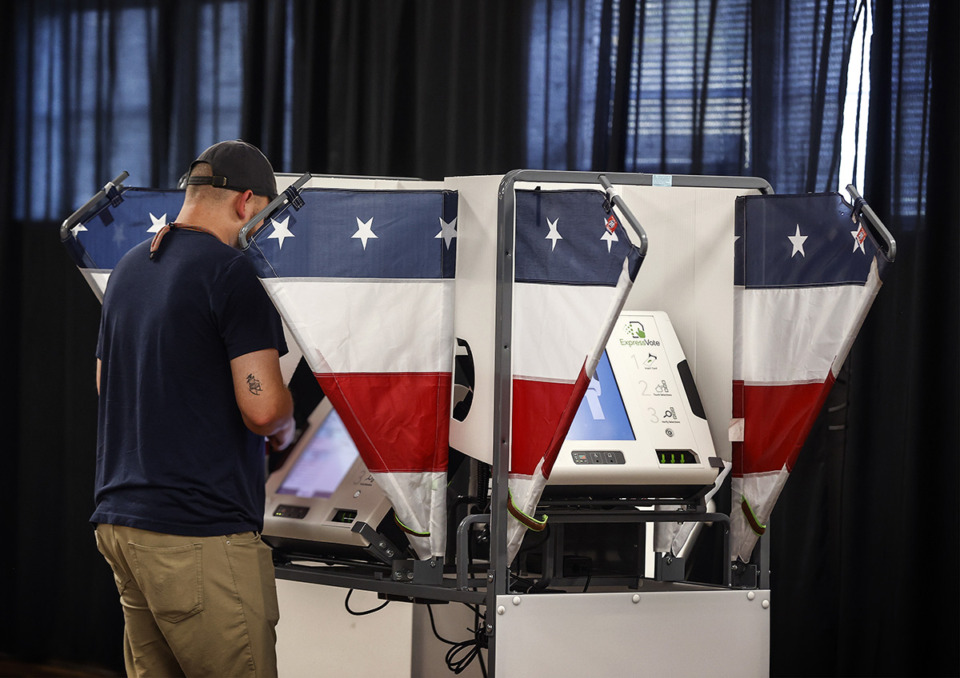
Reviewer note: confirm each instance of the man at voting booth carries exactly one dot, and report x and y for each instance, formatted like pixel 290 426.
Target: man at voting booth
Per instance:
pixel 189 384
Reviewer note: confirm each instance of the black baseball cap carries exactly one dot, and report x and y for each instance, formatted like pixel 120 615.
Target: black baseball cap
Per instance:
pixel 237 166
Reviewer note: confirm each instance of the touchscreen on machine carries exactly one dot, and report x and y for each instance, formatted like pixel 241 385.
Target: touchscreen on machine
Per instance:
pixel 602 415
pixel 323 463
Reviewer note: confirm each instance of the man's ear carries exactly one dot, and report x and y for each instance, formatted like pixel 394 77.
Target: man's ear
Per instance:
pixel 243 206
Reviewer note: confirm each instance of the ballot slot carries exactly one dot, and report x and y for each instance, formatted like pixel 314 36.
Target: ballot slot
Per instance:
pixel 640 428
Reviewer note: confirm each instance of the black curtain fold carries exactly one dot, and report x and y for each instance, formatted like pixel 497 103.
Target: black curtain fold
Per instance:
pixel 176 65
pixel 612 113
pixel 799 75
pixel 403 88
pixel 62 602
pixel 469 65
pixel 701 94
pixel 603 156
pixel 265 77
pixel 10 279
pixel 908 361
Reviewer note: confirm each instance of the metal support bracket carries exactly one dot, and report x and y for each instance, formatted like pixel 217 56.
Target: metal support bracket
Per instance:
pixel 425 572
pixel 379 546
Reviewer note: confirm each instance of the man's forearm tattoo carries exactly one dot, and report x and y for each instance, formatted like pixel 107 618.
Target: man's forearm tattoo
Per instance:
pixel 254 385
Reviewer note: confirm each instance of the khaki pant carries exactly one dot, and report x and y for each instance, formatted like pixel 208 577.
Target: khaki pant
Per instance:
pixel 194 606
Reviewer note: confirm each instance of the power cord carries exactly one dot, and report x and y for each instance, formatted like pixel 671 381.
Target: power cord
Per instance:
pixel 346 604
pixel 461 654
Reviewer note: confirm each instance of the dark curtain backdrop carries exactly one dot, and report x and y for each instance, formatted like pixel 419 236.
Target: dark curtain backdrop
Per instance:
pixel 741 87
pixel 869 518
pixel 864 538
pixel 415 89
pixel 798 80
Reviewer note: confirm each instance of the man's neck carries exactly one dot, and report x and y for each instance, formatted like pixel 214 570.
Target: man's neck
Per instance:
pixel 210 222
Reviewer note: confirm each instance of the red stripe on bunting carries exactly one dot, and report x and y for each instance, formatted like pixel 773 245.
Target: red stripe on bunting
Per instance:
pixel 777 420
pixel 399 421
pixel 542 414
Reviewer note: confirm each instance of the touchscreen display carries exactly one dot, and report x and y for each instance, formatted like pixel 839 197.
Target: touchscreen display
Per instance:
pixel 323 463
pixel 602 415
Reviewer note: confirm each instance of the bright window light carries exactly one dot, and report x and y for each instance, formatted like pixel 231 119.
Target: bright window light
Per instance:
pixel 856 104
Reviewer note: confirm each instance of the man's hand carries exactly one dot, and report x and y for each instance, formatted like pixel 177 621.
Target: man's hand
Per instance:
pixel 282 439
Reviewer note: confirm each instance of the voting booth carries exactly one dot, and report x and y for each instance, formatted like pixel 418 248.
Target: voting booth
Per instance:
pixel 518 371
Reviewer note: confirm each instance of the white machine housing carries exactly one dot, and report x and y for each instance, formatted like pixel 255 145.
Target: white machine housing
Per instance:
pixel 641 425
pixel 321 491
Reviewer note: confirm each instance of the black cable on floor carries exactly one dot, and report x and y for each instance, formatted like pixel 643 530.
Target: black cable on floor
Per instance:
pixel 461 654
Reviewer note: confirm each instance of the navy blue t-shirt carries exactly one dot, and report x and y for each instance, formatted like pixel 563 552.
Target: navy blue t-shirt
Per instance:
pixel 173 453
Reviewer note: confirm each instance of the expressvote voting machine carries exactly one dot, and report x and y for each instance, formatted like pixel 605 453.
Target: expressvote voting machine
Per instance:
pixel 504 359
pixel 640 427
pixel 322 490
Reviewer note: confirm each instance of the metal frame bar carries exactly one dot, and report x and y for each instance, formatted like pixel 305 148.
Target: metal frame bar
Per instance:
pixel 879 231
pixel 362 578
pixel 80 213
pixel 284 198
pixel 639 179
